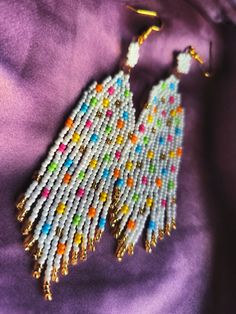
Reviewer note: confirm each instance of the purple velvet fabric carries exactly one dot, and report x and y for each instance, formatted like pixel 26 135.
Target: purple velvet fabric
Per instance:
pixel 49 52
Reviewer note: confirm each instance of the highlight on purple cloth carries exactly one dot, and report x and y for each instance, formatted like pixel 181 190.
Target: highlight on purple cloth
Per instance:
pixel 51 51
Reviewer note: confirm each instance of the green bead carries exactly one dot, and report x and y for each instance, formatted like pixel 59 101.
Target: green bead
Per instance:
pixel 108 129
pixel 93 101
pixel 170 185
pixel 159 123
pixel 52 166
pixel 163 86
pixel 145 140
pixel 76 220
pixel 127 93
pixel 135 197
pixel 81 175
pixel 107 157
pixel 152 168
pixel 177 121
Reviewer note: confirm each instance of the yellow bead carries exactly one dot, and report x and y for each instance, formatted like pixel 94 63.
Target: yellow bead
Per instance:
pixel 172 154
pixel 105 102
pixel 103 197
pixel 129 165
pixel 150 154
pixel 93 163
pixel 119 139
pixel 125 209
pixel 61 208
pixel 173 113
pixel 149 202
pixel 75 137
pixel 150 118
pixel 78 238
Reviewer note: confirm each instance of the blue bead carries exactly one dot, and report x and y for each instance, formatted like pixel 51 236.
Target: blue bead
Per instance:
pixel 106 173
pixel 161 140
pixel 94 138
pixel 164 171
pixel 177 131
pixel 125 115
pixel 68 163
pixel 151 225
pixel 102 222
pixel 119 82
pixel 46 228
pixel 155 99
pixel 119 183
pixel 172 86
pixel 138 149
pixel 84 108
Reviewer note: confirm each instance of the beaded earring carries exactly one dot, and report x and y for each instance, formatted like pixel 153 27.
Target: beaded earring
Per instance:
pixel 65 208
pixel 148 180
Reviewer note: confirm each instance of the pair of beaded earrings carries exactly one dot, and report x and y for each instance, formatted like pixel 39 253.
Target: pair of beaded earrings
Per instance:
pixel 106 162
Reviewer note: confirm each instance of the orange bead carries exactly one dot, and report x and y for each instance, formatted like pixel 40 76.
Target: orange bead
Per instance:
pixel 99 88
pixel 179 109
pixel 131 224
pixel 159 182
pixel 61 248
pixel 67 178
pixel 120 124
pixel 92 212
pixel 116 173
pixel 155 109
pixel 69 123
pixel 179 151
pixel 130 182
pixel 133 138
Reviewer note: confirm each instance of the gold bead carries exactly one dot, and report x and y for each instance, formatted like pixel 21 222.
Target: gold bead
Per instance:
pixel 98 234
pixel 59 232
pixel 154 240
pixel 64 268
pixel 160 235
pixel 37 177
pixel 38 252
pixel 21 202
pixel 99 114
pixel 167 229
pixel 148 246
pixel 173 224
pixel 169 123
pixel 74 257
pixel 154 130
pixel 163 156
pixel 91 245
pixel 108 141
pixel 139 164
pixel 94 185
pixel 118 103
pixel 163 100
pixel 83 254
pixel 120 252
pixel 28 243
pixel 27 227
pixel 47 291
pixel 37 271
pixel 82 149
pixel 55 274
pixel 130 249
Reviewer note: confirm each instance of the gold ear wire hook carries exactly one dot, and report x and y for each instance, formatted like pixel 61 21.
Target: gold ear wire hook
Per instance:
pixel 195 55
pixel 152 28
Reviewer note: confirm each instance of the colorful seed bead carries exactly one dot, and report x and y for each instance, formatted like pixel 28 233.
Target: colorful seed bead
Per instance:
pixel 76 220
pixel 61 248
pixel 62 147
pixel 116 173
pixel 159 123
pixel 103 197
pixel 150 154
pixel 145 140
pixel 119 139
pixel 45 192
pixel 159 182
pixel 68 162
pixel 172 154
pixel 81 175
pixel 107 157
pixel 171 100
pixel 163 113
pixel 151 225
pixel 149 202
pixel 173 113
pixel 92 212
pixel 129 165
pixel 102 223
pixel 172 86
pixel 118 154
pixel 179 151
pixel 171 185
pixel 75 137
pixel 78 238
pixel 155 99
pixel 119 82
pixel 111 90
pixel 161 140
pixel 46 228
pixel 152 168
pixel 125 115
pixel 164 172
pixel 108 129
pixel 93 163
pixel 120 124
pixel 127 93
pixel 52 167
pixel 88 124
pixel 163 203
pixel 93 101
pixel 109 113
pixel 130 182
pixel 131 224
pixel 179 109
pixel 105 102
pixel 138 149
pixel 155 109
pixel 133 138
pixel 141 128
pixel 144 180
pixel 173 168
pixel 69 123
pixel 169 138
pixel 135 197
pixel 94 138
pixel 178 131
pixel 150 119
pixel 61 208
pixel 163 86
pixel 84 108
pixel 99 88
pixel 67 178
pixel 125 209
pixel 80 192
pixel 106 173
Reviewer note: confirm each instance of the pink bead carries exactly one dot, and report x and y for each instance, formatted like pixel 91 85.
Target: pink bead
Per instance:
pixel 80 192
pixel 62 147
pixel 111 90
pixel 163 113
pixel 171 99
pixel 45 192
pixel 88 123
pixel 118 154
pixel 144 180
pixel 173 168
pixel 109 113
pixel 169 138
pixel 141 128
pixel 163 203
